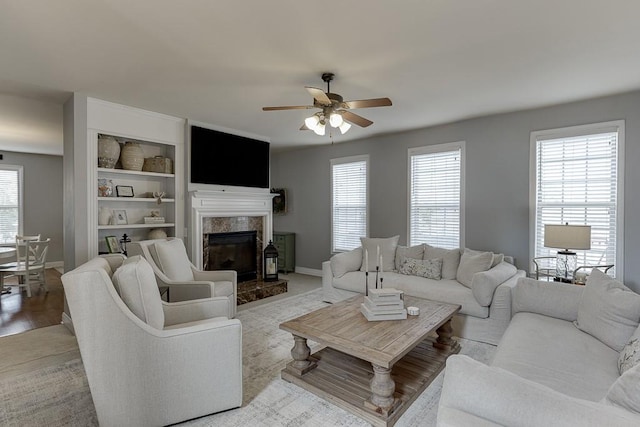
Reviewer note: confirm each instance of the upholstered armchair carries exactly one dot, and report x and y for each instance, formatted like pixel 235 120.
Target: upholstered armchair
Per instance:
pixel 149 362
pixel 172 267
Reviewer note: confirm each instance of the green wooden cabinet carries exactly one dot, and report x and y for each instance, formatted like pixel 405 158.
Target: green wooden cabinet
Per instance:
pixel 285 242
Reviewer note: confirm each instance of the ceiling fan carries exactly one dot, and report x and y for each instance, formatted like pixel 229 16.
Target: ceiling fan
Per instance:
pixel 335 110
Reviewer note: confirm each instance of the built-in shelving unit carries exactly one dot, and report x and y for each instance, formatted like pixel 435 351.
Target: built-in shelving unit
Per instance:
pixel 123 227
pixel 157 135
pixel 143 203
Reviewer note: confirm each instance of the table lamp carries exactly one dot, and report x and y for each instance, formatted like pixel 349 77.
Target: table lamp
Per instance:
pixel 568 238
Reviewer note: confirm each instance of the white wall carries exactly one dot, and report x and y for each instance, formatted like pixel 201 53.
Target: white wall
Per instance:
pixel 42 197
pixel 497 180
pixel 29 125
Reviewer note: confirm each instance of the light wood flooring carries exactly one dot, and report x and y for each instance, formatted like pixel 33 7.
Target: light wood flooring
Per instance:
pixel 18 313
pixel 51 346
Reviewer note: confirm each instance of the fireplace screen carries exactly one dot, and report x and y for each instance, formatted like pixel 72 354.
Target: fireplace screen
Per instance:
pixel 234 251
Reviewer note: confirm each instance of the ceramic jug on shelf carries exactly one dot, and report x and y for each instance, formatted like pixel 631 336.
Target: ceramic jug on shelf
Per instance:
pixel 104 216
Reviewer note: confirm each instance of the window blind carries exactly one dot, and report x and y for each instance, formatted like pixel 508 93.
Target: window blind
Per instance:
pixel 349 204
pixel 9 205
pixel 577 183
pixel 435 198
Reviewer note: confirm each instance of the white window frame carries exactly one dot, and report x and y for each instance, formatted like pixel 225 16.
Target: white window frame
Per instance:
pixel 343 160
pixel 438 148
pixel 572 131
pixel 20 170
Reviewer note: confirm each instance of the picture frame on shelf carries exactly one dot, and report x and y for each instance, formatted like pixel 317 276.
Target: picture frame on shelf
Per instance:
pixel 113 245
pixel 120 217
pixel 124 190
pixel 279 201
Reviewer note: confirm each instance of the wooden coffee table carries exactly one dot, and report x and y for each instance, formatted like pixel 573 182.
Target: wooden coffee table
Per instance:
pixel 374 370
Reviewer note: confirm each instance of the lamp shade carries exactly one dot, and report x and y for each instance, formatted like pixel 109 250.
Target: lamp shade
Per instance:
pixel 312 122
pixel 319 129
pixel 567 236
pixel 335 120
pixel 344 127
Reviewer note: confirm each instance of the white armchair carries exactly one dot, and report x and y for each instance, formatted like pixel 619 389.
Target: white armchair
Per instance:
pixel 149 362
pixel 172 267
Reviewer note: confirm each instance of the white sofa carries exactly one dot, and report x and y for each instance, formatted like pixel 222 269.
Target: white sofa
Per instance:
pixel 151 363
pixel 485 299
pixel 547 371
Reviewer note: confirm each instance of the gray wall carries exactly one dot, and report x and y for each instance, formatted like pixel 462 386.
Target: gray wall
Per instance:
pixel 497 180
pixel 42 197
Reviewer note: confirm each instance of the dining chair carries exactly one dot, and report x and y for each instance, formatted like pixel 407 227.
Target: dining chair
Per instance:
pixel 31 257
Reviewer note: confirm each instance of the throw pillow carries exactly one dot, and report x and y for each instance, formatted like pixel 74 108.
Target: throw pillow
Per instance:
pixel 608 310
pixel 345 262
pixel 429 268
pixel 387 251
pixel 450 260
pixel 497 259
pixel 138 288
pixel 173 260
pixel 630 354
pixel 472 262
pixel 625 391
pixel 403 252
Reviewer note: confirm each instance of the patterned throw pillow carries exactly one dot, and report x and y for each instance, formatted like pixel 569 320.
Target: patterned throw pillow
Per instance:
pixel 429 268
pixel 630 354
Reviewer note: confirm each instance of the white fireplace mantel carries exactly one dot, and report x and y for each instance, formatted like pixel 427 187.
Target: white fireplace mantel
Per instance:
pixel 207 204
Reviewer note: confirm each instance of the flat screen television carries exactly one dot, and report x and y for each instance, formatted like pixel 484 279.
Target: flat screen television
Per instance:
pixel 221 158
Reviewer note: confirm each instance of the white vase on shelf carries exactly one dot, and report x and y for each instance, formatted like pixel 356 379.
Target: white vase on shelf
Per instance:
pixel 104 216
pixel 157 233
pixel 132 156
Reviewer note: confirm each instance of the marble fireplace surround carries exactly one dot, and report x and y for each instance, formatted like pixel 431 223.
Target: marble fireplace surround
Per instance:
pixel 224 211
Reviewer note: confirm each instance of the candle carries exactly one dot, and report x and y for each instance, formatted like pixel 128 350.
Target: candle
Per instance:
pixel 366 260
pixel 377 255
pixel 381 264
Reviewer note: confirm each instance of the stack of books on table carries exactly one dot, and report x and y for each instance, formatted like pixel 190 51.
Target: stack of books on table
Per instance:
pixel 384 304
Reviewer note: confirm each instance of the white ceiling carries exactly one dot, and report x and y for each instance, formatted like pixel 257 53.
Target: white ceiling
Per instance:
pixel 220 61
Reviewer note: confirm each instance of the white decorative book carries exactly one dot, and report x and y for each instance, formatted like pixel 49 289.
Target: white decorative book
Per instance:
pixel 380 305
pixel 373 316
pixel 386 294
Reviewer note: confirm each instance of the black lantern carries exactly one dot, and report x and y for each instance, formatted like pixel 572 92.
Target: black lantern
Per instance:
pixel 270 263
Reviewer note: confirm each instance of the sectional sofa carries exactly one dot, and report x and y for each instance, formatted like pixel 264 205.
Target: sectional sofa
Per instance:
pixel 480 282
pixel 570 357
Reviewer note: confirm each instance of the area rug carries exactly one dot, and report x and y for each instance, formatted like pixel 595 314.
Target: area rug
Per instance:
pixel 59 395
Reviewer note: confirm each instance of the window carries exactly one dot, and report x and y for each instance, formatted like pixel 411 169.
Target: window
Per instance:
pixel 577 178
pixel 349 202
pixel 10 203
pixel 436 195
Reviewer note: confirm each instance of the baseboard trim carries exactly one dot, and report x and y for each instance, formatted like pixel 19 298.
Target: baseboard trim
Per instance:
pixel 309 271
pixel 54 264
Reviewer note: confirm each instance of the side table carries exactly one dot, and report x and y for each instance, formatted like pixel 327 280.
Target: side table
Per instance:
pixel 285 243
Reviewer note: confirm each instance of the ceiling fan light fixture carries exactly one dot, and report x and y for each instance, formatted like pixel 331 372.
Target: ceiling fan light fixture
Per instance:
pixel 335 112
pixel 344 127
pixel 312 122
pixel 335 120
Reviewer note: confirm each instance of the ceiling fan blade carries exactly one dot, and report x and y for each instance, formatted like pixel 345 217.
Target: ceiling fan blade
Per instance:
pixel 355 119
pixel 288 107
pixel 368 103
pixel 319 95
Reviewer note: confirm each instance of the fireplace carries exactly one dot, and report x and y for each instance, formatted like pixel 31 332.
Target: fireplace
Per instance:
pixel 233 251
